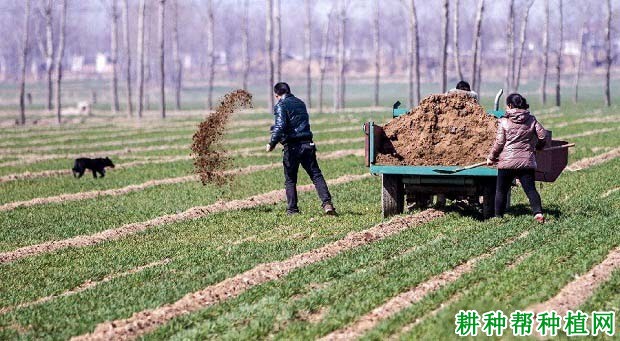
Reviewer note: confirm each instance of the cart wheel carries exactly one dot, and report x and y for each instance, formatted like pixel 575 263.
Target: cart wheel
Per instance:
pixel 392 195
pixel 488 200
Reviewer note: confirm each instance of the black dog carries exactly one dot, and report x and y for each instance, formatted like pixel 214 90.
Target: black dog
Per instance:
pixel 95 165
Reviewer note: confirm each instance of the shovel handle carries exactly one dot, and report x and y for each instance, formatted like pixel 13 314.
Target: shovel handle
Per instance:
pixel 568 145
pixel 479 164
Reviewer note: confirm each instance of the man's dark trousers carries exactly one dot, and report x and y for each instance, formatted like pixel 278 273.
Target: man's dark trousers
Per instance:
pixel 304 154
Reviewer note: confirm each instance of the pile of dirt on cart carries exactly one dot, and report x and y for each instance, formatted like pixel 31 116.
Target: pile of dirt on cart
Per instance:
pixel 451 129
pixel 210 158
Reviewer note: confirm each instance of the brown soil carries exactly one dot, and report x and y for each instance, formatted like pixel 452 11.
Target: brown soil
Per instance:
pixel 85 286
pixel 272 197
pixel 595 160
pixel 209 157
pixel 443 130
pixel 578 291
pixel 406 299
pixel 147 320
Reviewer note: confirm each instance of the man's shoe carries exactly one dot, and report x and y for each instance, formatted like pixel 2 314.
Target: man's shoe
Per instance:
pixel 539 218
pixel 329 209
pixel 292 212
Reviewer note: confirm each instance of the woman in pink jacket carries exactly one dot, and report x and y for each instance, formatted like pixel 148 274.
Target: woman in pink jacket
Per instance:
pixel 519 134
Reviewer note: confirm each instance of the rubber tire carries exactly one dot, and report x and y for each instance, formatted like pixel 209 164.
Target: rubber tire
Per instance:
pixel 488 201
pixel 392 195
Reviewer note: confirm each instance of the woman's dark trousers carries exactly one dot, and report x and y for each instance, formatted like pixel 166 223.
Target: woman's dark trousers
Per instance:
pixel 526 177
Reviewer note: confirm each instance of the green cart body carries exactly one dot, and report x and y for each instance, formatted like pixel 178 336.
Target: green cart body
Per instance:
pixel 420 184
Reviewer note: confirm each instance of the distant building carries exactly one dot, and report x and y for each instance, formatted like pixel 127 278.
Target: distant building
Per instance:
pixel 77 63
pixel 102 64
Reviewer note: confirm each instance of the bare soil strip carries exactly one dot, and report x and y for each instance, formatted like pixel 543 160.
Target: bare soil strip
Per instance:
pixel 57 172
pixel 115 143
pixel 248 151
pixel 519 260
pixel 272 197
pixel 610 192
pixel 88 140
pixel 578 291
pixel 595 160
pixel 145 321
pixel 84 286
pixel 406 329
pixel 588 133
pixel 251 151
pixel 406 299
pixel 152 183
pixel 610 119
pixel 159 139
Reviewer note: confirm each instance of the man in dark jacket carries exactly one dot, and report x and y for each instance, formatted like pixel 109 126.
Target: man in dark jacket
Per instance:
pixel 292 129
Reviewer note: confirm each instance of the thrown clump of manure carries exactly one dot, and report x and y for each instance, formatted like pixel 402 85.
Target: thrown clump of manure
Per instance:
pixel 210 157
pixel 451 129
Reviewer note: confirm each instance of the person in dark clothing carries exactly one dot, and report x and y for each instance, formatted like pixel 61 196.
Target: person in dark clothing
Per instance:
pixel 519 134
pixel 292 129
pixel 464 88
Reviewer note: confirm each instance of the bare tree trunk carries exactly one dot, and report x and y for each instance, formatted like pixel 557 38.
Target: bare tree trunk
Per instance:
pixel 457 57
pixel 176 56
pixel 522 38
pixel 59 57
pixel 141 18
pixel 543 86
pixel 308 52
pixel 162 57
pixel 245 43
pixel 445 22
pixel 558 99
pixel 49 53
pixel 114 56
pixel 510 42
pixel 323 60
pixel 211 49
pixel 477 41
pixel 278 40
pixel 582 35
pixel 269 50
pixel 336 84
pixel 413 59
pixel 148 71
pixel 376 40
pixel 609 59
pixel 127 41
pixel 342 55
pixel 479 74
pixel 22 63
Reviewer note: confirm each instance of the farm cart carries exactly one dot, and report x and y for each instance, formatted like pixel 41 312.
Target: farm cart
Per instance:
pixel 419 184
